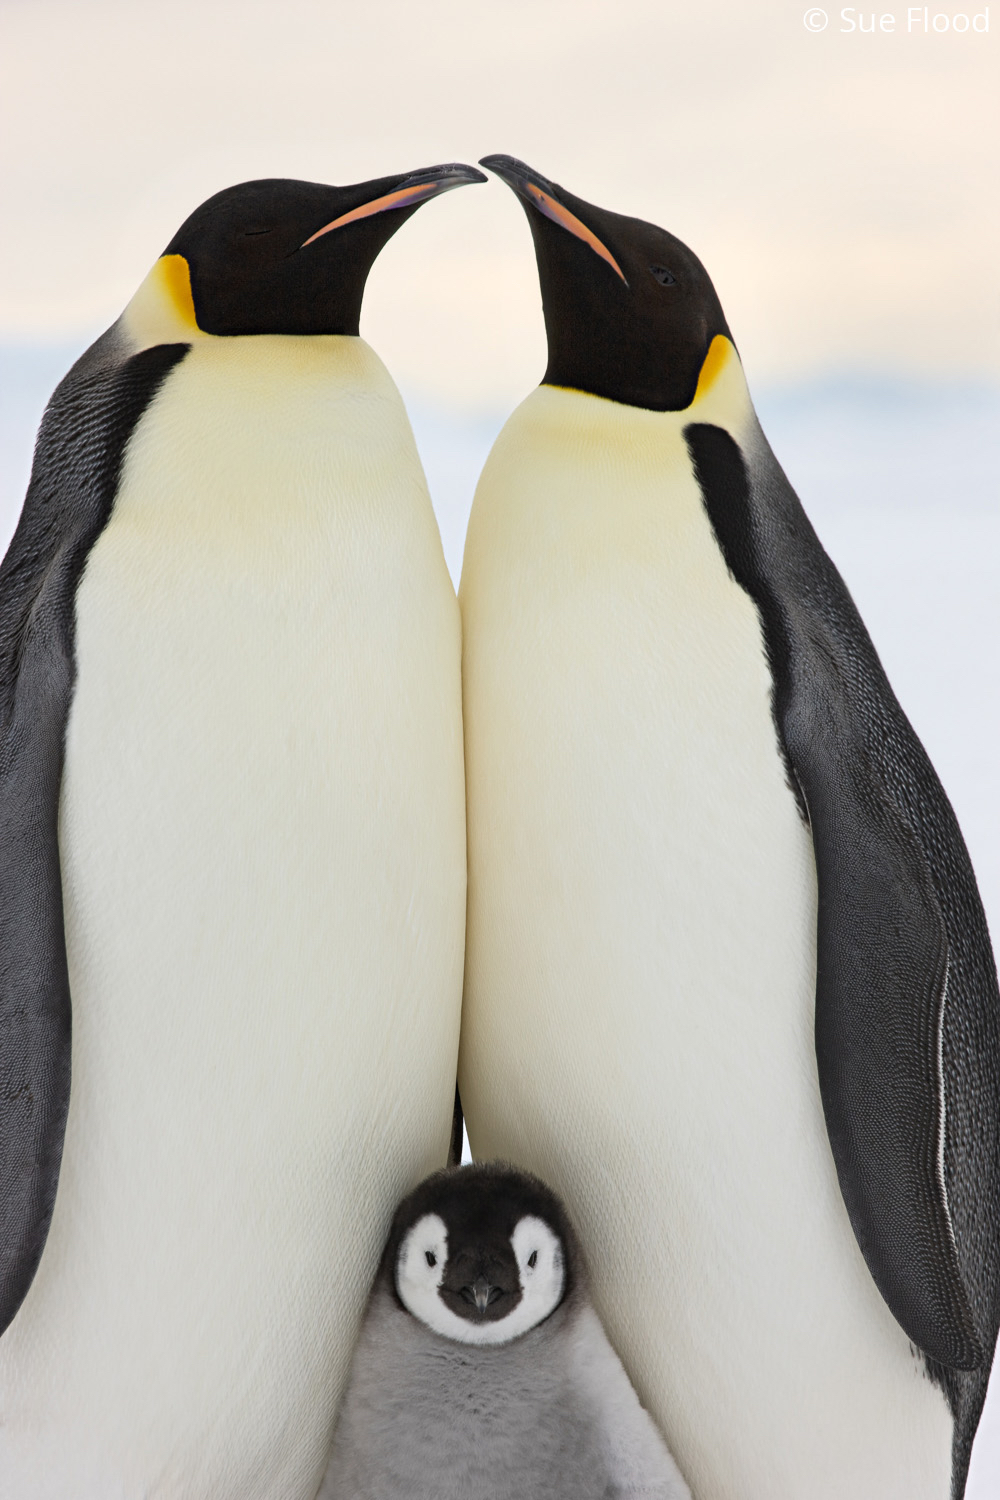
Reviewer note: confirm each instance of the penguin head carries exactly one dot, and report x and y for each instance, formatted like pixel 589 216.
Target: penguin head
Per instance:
pixel 279 256
pixel 482 1254
pixel 630 312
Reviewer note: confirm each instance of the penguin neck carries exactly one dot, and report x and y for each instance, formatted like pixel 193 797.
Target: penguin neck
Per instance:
pixel 273 426
pixel 721 399
pixel 344 363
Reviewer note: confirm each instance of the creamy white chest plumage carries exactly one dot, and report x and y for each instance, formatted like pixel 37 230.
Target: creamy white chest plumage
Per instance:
pixel 263 853
pixel 640 974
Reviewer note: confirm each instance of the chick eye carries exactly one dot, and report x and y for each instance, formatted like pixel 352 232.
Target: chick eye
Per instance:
pixel 533 1259
pixel 663 276
pixel 430 1257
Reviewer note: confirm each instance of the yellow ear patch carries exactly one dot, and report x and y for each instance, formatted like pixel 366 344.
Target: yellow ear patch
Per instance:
pixel 721 395
pixel 176 274
pixel 162 310
pixel 713 366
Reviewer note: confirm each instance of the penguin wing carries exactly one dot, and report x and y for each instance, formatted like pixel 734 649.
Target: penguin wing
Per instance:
pixel 78 456
pixel 907 1040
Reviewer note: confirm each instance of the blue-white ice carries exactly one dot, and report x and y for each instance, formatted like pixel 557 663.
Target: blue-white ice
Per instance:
pixel 901 482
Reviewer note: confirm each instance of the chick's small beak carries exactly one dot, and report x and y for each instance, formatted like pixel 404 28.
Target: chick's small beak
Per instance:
pixel 480 1293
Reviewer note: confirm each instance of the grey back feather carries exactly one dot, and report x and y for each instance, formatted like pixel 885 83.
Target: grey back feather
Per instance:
pixel 80 449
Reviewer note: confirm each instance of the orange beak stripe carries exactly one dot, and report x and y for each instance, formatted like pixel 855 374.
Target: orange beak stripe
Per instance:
pixel 559 215
pixel 401 198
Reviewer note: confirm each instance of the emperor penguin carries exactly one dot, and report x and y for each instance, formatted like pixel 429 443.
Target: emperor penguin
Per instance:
pixel 482 1371
pixel 729 986
pixel 232 811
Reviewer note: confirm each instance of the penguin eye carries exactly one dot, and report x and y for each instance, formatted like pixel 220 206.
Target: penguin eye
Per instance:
pixel 249 232
pixel 533 1259
pixel 663 276
pixel 430 1257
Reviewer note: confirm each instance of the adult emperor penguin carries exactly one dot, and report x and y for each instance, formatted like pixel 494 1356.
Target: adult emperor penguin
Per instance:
pixel 232 801
pixel 728 980
pixel 482 1371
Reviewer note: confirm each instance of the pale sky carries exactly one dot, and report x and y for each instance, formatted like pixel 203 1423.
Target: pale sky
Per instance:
pixel 840 186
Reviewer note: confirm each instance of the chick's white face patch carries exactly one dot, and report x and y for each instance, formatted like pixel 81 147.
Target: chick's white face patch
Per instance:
pixel 542 1265
pixel 420 1268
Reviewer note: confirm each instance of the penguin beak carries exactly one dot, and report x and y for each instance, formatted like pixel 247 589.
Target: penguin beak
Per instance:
pixel 541 194
pixel 415 188
pixel 480 1293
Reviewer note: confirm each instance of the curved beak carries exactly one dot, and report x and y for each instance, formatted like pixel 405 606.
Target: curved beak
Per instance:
pixel 537 191
pixel 517 174
pixel 481 1290
pixel 414 188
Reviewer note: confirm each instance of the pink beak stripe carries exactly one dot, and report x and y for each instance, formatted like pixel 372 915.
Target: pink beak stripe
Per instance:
pixel 401 198
pixel 559 215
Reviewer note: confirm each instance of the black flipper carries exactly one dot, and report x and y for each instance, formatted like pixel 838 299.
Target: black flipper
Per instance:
pixel 78 459
pixel 907 1011
pixel 457 1133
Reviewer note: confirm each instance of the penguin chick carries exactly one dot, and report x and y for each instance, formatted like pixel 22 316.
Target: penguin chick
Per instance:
pixel 482 1371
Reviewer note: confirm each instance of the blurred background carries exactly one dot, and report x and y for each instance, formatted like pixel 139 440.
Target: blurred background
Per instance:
pixel 835 170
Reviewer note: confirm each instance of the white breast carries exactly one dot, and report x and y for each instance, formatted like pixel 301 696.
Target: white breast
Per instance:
pixel 640 975
pixel 262 836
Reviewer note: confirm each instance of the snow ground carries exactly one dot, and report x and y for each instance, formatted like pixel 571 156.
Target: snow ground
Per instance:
pixel 901 484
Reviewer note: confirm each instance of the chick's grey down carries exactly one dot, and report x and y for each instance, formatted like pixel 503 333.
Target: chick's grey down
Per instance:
pixel 551 1414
